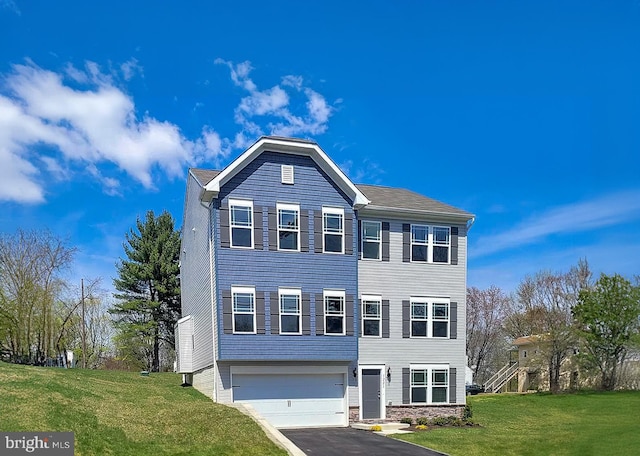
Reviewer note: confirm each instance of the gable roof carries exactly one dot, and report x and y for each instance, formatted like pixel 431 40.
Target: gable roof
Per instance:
pixel 288 146
pixel 204 176
pixel 389 199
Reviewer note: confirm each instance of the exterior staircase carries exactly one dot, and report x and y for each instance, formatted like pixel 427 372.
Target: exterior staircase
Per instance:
pixel 501 378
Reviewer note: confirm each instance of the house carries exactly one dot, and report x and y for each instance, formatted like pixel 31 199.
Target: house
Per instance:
pixel 318 301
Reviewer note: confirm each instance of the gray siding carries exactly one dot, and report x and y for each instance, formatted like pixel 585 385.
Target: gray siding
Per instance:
pixel 396 281
pixel 195 275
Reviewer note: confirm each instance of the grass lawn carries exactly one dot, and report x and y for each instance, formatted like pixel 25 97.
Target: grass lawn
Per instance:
pixel 541 424
pixel 124 413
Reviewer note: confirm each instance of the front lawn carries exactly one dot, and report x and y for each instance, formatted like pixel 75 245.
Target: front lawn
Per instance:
pixel 578 424
pixel 124 413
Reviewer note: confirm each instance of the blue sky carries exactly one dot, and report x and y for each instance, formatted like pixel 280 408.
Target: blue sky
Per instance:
pixel 524 113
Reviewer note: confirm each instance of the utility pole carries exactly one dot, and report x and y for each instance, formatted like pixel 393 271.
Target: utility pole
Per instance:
pixel 84 333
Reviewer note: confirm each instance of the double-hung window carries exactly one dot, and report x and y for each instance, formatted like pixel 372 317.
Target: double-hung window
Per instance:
pixel 371 240
pixel 429 384
pixel 429 317
pixel 289 227
pixel 241 223
pixel 290 301
pixel 371 316
pixel 333 230
pixel 244 310
pixel 430 244
pixel 334 315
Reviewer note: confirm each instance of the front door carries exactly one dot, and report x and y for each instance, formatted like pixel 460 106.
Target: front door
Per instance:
pixel 370 394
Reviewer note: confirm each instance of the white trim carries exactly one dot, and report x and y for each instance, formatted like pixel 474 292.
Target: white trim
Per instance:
pixel 333 211
pixel 429 386
pixel 362 240
pixel 243 290
pixel 378 299
pixel 383 400
pixel 288 207
pixel 334 294
pixel 241 203
pixel 429 301
pixel 429 243
pixel 287 146
pixel 290 291
pixel 286 174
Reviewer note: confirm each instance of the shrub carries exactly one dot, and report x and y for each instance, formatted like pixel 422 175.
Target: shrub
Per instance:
pixel 422 421
pixel 422 427
pixel 467 413
pixel 439 421
pixel 376 428
pixel 407 420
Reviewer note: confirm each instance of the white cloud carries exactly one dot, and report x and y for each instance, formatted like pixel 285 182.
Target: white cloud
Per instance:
pixel 605 211
pixel 87 126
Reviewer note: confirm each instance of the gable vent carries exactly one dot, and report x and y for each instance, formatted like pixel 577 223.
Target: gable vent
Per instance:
pixel 287 174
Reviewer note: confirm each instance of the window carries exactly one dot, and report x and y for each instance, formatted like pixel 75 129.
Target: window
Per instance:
pixel 244 310
pixel 334 312
pixel 371 240
pixel 288 227
pixel 371 313
pixel 290 311
pixel 333 230
pixel 430 244
pixel 429 384
pixel 241 226
pixel 429 317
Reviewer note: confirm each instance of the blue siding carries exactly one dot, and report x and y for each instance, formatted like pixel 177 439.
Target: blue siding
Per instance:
pixel 267 270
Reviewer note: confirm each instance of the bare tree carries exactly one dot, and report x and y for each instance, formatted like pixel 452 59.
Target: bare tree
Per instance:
pixel 486 311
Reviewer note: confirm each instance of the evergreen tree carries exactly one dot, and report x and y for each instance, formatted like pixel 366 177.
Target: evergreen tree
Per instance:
pixel 149 287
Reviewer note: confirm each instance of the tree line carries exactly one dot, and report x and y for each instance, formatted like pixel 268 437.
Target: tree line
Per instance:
pixel 572 316
pixel 43 315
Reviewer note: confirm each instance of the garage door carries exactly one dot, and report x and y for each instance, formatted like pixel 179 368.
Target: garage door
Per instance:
pixel 294 400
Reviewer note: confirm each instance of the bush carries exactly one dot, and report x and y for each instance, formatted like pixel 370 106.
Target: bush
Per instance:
pixel 376 428
pixel 439 421
pixel 467 413
pixel 422 421
pixel 422 427
pixel 407 420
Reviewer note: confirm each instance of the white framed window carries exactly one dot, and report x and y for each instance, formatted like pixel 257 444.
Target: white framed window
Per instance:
pixel 241 223
pixel 371 316
pixel 430 317
pixel 289 227
pixel 371 240
pixel 244 310
pixel 290 310
pixel 334 316
pixel 429 384
pixel 430 244
pixel 333 230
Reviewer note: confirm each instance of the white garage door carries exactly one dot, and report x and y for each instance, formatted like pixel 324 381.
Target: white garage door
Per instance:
pixel 294 400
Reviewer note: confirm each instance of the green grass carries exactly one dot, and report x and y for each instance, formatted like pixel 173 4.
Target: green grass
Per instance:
pixel 124 413
pixel 542 424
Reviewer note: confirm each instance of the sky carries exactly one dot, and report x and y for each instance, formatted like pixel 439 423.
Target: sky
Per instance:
pixel 524 113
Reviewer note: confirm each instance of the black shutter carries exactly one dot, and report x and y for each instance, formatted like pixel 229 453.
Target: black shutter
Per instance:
pixel 317 231
pixel 406 319
pixel 348 311
pixel 359 239
pixel 385 241
pixel 406 385
pixel 319 314
pixel 453 320
pixel 227 312
pixel 257 228
pixel 304 231
pixel 306 314
pixel 348 234
pixel 454 245
pixel 406 243
pixel 385 318
pixel 275 312
pixel 452 385
pixel 260 323
pixel 224 227
pixel 273 228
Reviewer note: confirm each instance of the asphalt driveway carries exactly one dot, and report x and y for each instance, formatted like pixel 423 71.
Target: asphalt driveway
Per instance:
pixel 349 441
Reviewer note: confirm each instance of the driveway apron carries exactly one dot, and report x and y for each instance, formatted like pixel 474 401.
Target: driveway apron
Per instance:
pixel 349 441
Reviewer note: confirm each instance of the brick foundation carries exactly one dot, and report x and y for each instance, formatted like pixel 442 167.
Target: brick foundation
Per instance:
pixel 397 412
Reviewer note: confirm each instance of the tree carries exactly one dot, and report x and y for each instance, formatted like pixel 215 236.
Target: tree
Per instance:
pixel 31 263
pixel 608 320
pixel 544 307
pixel 486 310
pixel 149 288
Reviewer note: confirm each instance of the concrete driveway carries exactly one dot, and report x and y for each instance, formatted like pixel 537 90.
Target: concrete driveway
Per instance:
pixel 349 441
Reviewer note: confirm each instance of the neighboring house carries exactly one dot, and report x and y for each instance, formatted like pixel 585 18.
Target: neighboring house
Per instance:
pixel 316 300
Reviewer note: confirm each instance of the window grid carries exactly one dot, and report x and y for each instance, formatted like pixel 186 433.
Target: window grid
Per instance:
pixel 371 316
pixel 334 315
pixel 429 318
pixel 333 230
pixel 241 223
pixel 430 244
pixel 244 310
pixel 288 227
pixel 290 311
pixel 371 240
pixel 429 384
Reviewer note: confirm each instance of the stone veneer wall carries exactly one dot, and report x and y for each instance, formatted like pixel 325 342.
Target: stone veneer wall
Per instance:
pixel 397 412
